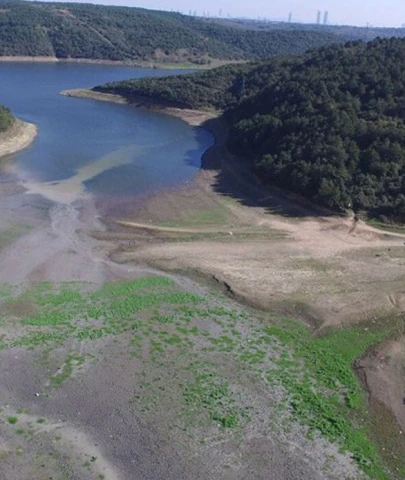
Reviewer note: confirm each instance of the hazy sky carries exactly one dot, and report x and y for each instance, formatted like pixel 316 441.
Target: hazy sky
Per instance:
pixel 353 12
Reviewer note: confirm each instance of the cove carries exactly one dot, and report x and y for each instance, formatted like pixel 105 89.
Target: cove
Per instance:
pixel 108 150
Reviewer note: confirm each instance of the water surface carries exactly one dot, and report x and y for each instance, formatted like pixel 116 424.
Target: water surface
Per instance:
pixel 86 145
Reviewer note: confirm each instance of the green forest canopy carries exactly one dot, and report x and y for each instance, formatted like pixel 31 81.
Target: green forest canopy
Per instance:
pixel 72 30
pixel 6 119
pixel 328 124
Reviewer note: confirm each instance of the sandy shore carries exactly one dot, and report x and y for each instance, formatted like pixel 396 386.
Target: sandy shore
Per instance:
pixel 90 61
pixel 18 137
pixel 24 59
pixel 45 59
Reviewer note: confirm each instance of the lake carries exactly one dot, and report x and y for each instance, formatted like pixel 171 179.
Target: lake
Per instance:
pixel 89 146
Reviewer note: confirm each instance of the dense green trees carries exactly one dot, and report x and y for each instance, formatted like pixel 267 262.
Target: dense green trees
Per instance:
pixel 329 125
pixel 73 30
pixel 211 88
pixel 6 119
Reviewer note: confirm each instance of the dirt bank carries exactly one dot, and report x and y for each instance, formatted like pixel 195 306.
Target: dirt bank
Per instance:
pixel 16 138
pixel 384 375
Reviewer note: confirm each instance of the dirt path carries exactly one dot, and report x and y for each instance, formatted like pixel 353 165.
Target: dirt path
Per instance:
pixel 157 228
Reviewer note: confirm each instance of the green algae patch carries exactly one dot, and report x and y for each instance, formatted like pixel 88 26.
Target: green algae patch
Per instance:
pixel 324 393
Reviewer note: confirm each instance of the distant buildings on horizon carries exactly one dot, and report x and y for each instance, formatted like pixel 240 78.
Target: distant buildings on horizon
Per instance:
pixel 318 17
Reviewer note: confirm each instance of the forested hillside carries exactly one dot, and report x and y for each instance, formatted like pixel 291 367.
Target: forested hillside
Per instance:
pixel 329 125
pixel 72 30
pixel 6 119
pixel 217 88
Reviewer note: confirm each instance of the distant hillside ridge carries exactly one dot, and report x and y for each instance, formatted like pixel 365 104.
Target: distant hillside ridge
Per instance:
pixel 95 32
pixel 328 125
pixel 348 32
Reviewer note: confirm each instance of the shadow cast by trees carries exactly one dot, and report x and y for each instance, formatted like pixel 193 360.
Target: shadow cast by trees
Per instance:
pixel 236 179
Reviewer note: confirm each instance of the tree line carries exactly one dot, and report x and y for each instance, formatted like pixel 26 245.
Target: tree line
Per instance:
pixel 6 118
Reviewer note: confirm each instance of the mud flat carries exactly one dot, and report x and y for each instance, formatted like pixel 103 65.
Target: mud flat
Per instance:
pixel 112 369
pixel 19 136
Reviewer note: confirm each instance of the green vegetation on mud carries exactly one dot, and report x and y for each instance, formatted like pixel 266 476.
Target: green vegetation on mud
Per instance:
pixel 200 355
pixel 324 391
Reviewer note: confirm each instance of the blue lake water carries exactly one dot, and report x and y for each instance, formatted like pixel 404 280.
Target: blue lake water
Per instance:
pixel 113 149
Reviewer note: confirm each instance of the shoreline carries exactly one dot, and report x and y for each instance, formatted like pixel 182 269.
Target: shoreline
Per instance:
pixel 208 120
pixel 195 118
pixel 18 137
pixel 92 61
pixel 118 63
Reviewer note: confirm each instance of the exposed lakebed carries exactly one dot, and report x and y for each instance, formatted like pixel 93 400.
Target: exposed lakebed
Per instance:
pixel 109 372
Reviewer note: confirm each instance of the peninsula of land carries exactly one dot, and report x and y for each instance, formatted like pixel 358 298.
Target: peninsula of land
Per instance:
pixel 17 137
pixel 194 117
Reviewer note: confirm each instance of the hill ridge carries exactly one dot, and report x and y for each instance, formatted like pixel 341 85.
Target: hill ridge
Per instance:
pixel 73 30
